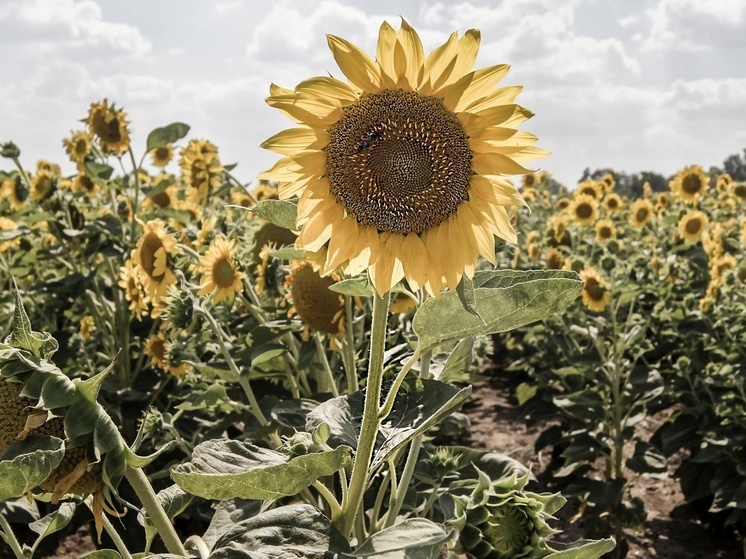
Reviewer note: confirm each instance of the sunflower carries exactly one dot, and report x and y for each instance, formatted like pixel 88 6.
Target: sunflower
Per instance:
pixel 49 167
pixel 265 190
pixel 201 168
pixel 563 203
pixel 151 258
pixel 558 229
pixel 613 202
pixel 722 182
pixel 7 224
pixel 591 188
pixel 662 201
pixel 220 276
pixel 87 326
pixel 109 125
pixel 272 235
pixel 534 251
pixel 738 189
pixel 608 182
pixel 596 294
pixel 156 347
pixel 41 185
pixel 641 212
pixel 77 147
pixel 605 230
pixel 690 183
pixel 692 224
pixel 402 303
pixel 530 180
pixel 83 183
pixel 241 197
pixel 12 190
pixel 400 170
pixel 164 194
pixel 721 264
pixel 162 155
pixel 554 260
pixel 319 307
pixel 712 240
pixel 583 209
pixel 129 281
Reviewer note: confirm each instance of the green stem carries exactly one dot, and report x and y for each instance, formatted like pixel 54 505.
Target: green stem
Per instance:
pixel 152 505
pixel 10 538
pixel 388 404
pixel 325 364
pixel 328 496
pixel 113 534
pixel 348 348
pixel 371 422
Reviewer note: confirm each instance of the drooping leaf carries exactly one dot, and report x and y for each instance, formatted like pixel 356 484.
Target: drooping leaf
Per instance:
pixel 505 301
pixel 166 135
pixel 51 523
pixel 280 212
pixel 25 464
pixel 226 469
pixel 415 538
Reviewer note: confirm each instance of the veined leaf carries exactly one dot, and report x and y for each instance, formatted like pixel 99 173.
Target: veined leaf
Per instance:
pixel 415 538
pixel 166 135
pixel 280 212
pixel 25 464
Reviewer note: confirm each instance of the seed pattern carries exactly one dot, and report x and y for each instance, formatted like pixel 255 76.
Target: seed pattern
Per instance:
pixel 399 162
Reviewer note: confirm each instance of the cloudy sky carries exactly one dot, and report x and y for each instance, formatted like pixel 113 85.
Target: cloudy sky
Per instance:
pixel 634 85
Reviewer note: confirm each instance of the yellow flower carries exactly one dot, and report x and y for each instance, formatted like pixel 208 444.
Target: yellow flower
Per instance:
pixel 129 281
pixel 563 204
pixel 738 189
pixel 641 212
pixel 319 307
pixel 220 277
pixel 51 168
pixel 558 228
pixel 8 225
pixel 109 125
pixel 712 240
pixel 201 168
pixel 608 182
pixel 12 191
pixel 240 197
pixel 83 183
pixel 596 294
pixel 662 201
pixel 402 303
pixel 591 188
pixel 583 209
pixel 401 170
pixel 613 202
pixel 156 348
pixel 162 156
pixel 690 183
pixel 605 230
pixel 554 260
pixel 719 265
pixel 41 185
pixel 692 224
pixel 163 195
pixel 530 180
pixel 534 251
pixel 265 190
pixel 78 146
pixel 151 258
pixel 722 182
pixel 87 326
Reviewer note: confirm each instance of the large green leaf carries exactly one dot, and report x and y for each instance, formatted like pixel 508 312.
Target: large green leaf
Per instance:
pixel 25 464
pixel 280 212
pixel 228 513
pixel 225 469
pixel 415 538
pixel 291 531
pixel 504 299
pixel 166 135
pixel 51 523
pixel 582 549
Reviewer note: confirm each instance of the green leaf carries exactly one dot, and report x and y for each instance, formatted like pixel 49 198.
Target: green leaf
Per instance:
pixel 506 300
pixel 582 549
pixel 51 523
pixel 174 501
pixel 102 554
pixel 228 513
pixel 355 287
pixel 25 464
pixel 166 135
pixel 465 291
pixel 280 212
pixel 415 538
pixel 225 469
pixel 97 170
pixel 287 253
pixel 266 352
pixel 200 399
pixel 524 392
pixel 290 531
pixel 36 343
pixel 647 459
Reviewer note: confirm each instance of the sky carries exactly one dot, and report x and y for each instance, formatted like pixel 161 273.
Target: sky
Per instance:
pixel 632 85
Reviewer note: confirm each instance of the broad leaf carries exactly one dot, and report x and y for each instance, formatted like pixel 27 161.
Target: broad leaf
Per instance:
pixel 355 287
pixel 582 549
pixel 280 212
pixel 415 538
pixel 166 135
pixel 505 300
pixel 53 522
pixel 226 469
pixel 25 464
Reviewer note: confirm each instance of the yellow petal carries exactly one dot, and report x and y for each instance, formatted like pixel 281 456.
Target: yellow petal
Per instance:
pixel 385 54
pixel 414 257
pixel 294 140
pixel 474 86
pixel 326 87
pixel 308 111
pixel 360 69
pixel 439 64
pixel 414 54
pixel 496 164
pixel 285 169
pixel 275 89
pixel 501 115
pixel 500 96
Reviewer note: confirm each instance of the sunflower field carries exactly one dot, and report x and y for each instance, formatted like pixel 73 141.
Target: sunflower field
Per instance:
pixel 202 367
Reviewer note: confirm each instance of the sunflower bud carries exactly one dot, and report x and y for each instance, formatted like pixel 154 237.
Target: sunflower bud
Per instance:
pixel 10 150
pixel 179 307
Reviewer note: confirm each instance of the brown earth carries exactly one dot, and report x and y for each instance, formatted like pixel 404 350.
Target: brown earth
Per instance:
pixel 674 529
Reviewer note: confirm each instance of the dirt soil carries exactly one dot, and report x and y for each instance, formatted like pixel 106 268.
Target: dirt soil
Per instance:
pixel 674 529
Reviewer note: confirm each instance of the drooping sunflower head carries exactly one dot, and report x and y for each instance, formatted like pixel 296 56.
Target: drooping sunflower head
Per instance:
pixel 162 156
pixel 613 202
pixel 738 189
pixel 220 274
pixel 690 183
pixel 662 201
pixel 563 203
pixel 41 185
pixel 163 194
pixel 319 307
pixel 605 230
pixel 595 294
pixel 690 226
pixel 129 281
pixel 401 169
pixel 641 212
pixel 151 256
pixel 157 348
pixel 13 191
pixel 109 125
pixel 78 146
pixel 583 209
pixel 201 169
pixel 592 188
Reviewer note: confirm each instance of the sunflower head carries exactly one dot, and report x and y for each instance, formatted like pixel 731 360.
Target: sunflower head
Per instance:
pixel 157 348
pixel 613 202
pixel 583 210
pixel 592 188
pixel 151 256
pixel 220 274
pixel 608 182
pixel 162 156
pixel 690 226
pixel 641 212
pixel 605 230
pixel 78 146
pixel 129 281
pixel 595 294
pixel 690 183
pixel 265 190
pixel 314 303
pixel 723 182
pixel 738 189
pixel 41 185
pixel 109 126
pixel 400 169
pixel 554 259
pixel 563 204
pixel 201 169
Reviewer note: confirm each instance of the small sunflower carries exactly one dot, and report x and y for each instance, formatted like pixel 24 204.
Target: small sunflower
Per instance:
pixel 563 204
pixel 530 180
pixel 400 170
pixel 608 182
pixel 692 224
pixel 712 240
pixel 220 276
pixel 534 251
pixel 7 224
pixel 721 264
pixel 109 125
pixel 605 230
pixel 151 258
pixel 641 212
pixel 319 307
pixel 554 260
pixel 87 326
pixel 613 202
pixel 722 182
pixel 13 191
pixel 558 229
pixel 162 156
pixel 690 183
pixel 662 201
pixel 41 185
pixel 265 190
pixel 591 188
pixel 129 281
pixel 164 194
pixel 402 303
pixel 201 168
pixel 156 347
pixel 83 183
pixel 272 235
pixel 738 189
pixel 242 198
pixel 583 209
pixel 77 147
pixel 596 294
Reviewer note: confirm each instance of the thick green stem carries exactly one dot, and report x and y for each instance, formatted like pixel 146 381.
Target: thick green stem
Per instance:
pixel 10 538
pixel 149 500
pixel 371 422
pixel 348 348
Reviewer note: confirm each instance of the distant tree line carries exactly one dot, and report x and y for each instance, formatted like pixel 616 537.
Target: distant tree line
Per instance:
pixel 631 185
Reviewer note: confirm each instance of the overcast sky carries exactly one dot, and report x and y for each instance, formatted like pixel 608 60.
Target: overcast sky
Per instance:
pixel 633 85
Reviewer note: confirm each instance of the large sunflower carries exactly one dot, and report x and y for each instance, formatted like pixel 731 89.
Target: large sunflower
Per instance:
pixel 400 170
pixel 690 183
pixel 110 126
